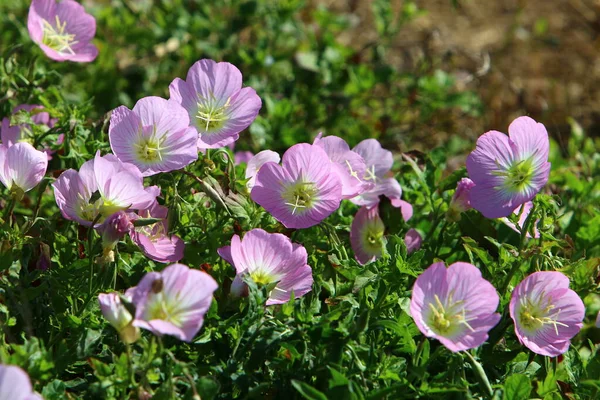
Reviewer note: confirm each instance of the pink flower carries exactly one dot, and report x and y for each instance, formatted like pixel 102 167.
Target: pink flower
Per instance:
pixel 63 30
pixel 546 313
pixel 303 191
pixel 21 167
pixel 454 305
pixel 367 235
pixel 378 164
pixel 258 161
pixel 154 240
pixel 12 134
pixel 102 186
pixel 117 314
pixel 15 384
pixel 173 302
pixel 218 107
pixel 349 165
pixel 461 200
pixel 598 320
pixel 242 157
pixel 269 258
pixel 155 136
pixel 412 240
pixel 526 207
pixel 509 170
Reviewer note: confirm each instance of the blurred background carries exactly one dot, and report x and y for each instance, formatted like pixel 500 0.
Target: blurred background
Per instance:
pixel 414 74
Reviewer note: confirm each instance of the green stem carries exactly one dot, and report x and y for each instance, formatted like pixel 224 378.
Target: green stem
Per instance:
pixel 90 255
pixel 9 210
pixel 517 261
pixel 483 379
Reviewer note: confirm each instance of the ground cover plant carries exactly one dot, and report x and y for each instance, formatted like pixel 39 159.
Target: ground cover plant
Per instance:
pixel 230 215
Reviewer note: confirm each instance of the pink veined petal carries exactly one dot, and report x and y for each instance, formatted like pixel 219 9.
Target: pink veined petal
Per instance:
pixel 522 218
pixel 25 165
pixel 530 137
pixel 258 160
pixel 69 191
pixel 412 240
pixel 238 287
pixel 123 133
pixel 466 283
pixel 490 202
pixel 298 281
pixel 225 253
pixel 38 11
pixel 376 158
pixel 183 93
pixel 308 161
pixel 388 187
pixel 4 176
pixel 406 209
pixel 150 110
pixel 78 22
pixel 492 153
pixel 432 281
pixel 219 80
pixel 364 218
pixel 243 110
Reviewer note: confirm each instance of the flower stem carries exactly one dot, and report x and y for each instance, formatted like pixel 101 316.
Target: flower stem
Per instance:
pixel 483 379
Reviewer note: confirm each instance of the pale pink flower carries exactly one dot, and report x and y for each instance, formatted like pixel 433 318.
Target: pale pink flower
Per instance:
pixel 461 200
pixel 63 30
pixel 412 240
pixel 258 161
pixel 117 314
pixel 526 207
pixel 22 167
pixel 367 235
pixel 15 384
pixel 546 313
pixel 454 305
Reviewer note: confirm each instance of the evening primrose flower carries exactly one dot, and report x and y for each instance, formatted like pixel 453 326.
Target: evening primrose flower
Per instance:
pixel 461 201
pixel 269 259
pixel 173 301
pixel 21 167
pixel 301 192
pixel 63 30
pixel 508 170
pixel 102 186
pixel 367 235
pixel 257 161
pixel 378 163
pixel 218 107
pixel 523 213
pixel 15 384
pixel 112 230
pixel 154 136
pixel 546 313
pixel 154 240
pixel 454 305
pixel 349 165
pixel 117 314
pixel 412 240
pixel 242 157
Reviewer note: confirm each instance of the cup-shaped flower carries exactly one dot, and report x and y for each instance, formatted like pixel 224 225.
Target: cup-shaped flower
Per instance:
pixel 63 30
pixel 523 212
pixel 378 163
pixel 412 240
pixel 22 167
pixel 269 259
pixel 173 302
pixel 242 157
pixel 367 235
pixel 155 136
pixel 460 200
pixel 154 240
pixel 102 187
pixel 349 165
pixel 117 314
pixel 546 313
pixel 218 107
pixel 258 161
pixel 508 170
pixel 15 384
pixel 302 191
pixel 454 305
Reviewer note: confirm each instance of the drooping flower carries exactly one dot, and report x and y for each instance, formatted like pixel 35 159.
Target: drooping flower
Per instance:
pixel 218 107
pixel 526 208
pixel 242 157
pixel 113 229
pixel 63 30
pixel 378 164
pixel 117 314
pixel 367 235
pixel 15 384
pixel 258 161
pixel 154 240
pixel 546 313
pixel 155 136
pixel 454 305
pixel 412 240
pixel 509 170
pixel 21 167
pixel 301 192
pixel 102 186
pixel 269 258
pixel 461 200
pixel 349 165
pixel 173 301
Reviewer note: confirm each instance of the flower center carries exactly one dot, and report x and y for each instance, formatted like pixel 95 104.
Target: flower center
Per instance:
pixel 533 316
pixel 261 277
pixel 148 149
pixel 211 114
pixel 370 174
pixel 57 38
pixel 300 196
pixel 373 237
pixel 518 176
pixel 447 318
pixel 89 209
pixel 161 307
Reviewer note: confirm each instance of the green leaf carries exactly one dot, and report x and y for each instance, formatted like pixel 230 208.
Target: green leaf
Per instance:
pixel 307 391
pixel 517 387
